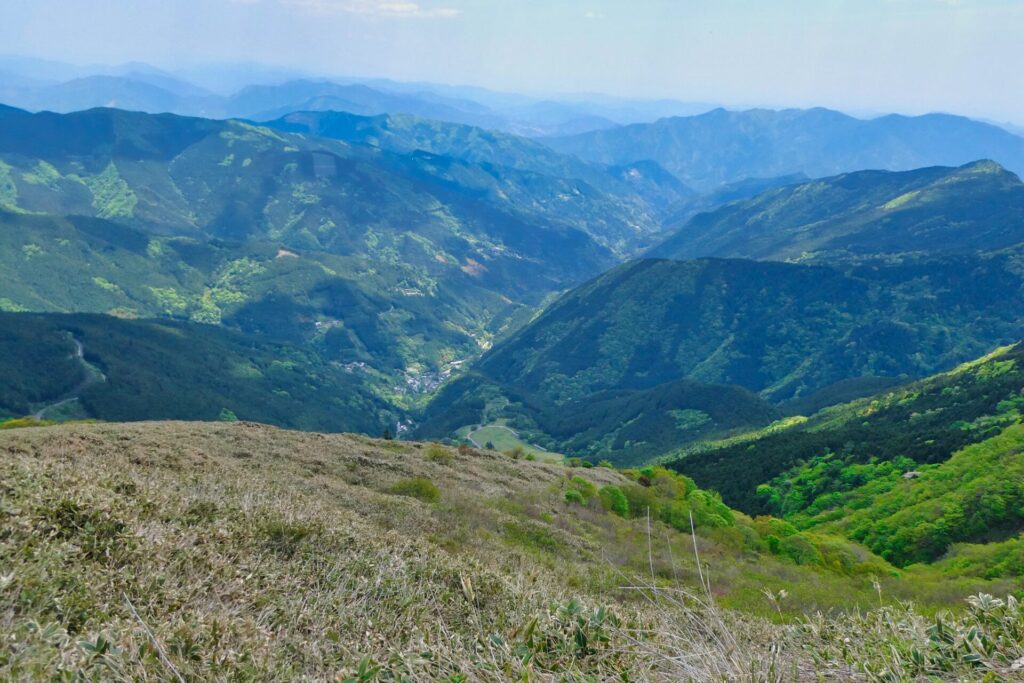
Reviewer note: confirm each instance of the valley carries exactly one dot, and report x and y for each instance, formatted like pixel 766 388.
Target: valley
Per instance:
pixel 367 380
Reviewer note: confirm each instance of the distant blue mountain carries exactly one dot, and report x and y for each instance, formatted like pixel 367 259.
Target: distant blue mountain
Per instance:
pixel 721 147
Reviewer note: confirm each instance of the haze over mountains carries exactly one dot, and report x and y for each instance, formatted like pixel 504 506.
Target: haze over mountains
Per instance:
pixel 725 146
pixel 254 92
pixel 397 231
pixel 788 338
pixel 403 244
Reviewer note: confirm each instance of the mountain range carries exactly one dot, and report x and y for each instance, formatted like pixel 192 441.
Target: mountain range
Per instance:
pixel 721 147
pixel 398 248
pixel 782 331
pixel 975 207
pixel 257 92
pixel 388 259
pixel 790 340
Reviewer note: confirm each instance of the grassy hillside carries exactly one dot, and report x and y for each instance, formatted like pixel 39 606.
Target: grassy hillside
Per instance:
pixel 920 423
pixel 977 207
pixel 722 147
pixel 162 369
pixel 188 551
pixel 783 331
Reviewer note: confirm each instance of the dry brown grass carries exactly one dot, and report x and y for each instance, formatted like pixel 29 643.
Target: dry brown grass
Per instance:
pixel 186 551
pixel 255 553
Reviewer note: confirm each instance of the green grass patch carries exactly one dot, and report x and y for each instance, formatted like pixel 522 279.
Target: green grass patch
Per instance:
pixel 420 488
pixel 505 439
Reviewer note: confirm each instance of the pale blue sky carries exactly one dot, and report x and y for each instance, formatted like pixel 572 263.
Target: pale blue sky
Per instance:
pixel 913 56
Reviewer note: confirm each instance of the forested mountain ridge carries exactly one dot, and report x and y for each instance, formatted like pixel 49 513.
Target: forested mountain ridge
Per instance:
pixel 975 207
pixel 343 306
pixel 234 180
pixel 404 262
pixel 781 330
pixel 925 421
pixel 911 472
pixel 720 147
pixel 651 188
pixel 165 369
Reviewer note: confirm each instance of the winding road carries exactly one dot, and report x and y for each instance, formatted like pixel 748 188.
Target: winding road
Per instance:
pixel 91 377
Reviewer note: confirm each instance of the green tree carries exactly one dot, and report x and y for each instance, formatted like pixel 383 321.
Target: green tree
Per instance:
pixel 612 498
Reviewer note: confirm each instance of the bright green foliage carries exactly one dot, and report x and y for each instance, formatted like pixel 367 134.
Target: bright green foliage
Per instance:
pixel 987 560
pixel 8 306
pixel 572 497
pixel 614 500
pixel 818 486
pixel 799 469
pixel 169 301
pixel 585 489
pixel 774 526
pixel 977 494
pixel 112 197
pixel 958 501
pixel 20 422
pixel 420 488
pixel 640 499
pixel 801 550
pixel 43 174
pixel 709 510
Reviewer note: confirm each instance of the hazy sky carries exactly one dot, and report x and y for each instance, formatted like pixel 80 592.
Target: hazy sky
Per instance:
pixel 912 56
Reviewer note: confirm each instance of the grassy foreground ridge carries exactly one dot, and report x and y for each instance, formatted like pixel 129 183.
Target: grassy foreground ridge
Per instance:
pixel 235 551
